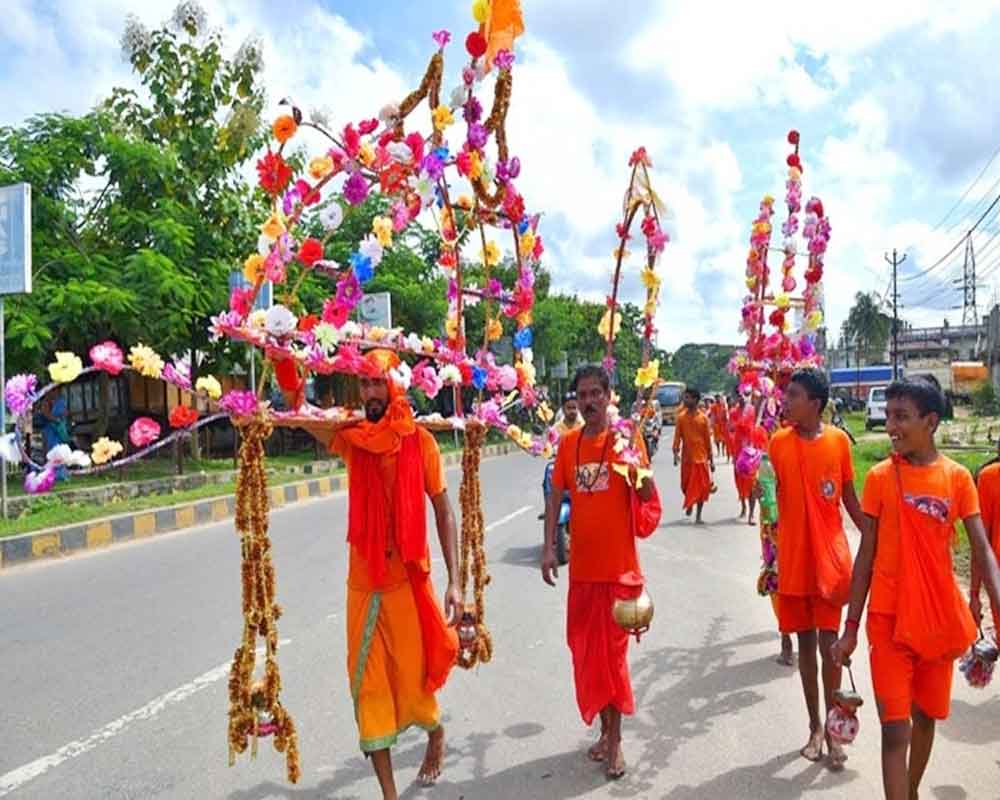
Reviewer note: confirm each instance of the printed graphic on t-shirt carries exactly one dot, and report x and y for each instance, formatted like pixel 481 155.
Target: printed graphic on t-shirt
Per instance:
pixel 936 508
pixel 592 477
pixel 828 489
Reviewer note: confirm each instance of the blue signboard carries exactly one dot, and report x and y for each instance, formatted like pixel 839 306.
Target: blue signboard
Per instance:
pixel 853 375
pixel 264 297
pixel 15 239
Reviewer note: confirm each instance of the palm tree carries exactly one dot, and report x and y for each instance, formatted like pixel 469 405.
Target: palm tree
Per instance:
pixel 867 327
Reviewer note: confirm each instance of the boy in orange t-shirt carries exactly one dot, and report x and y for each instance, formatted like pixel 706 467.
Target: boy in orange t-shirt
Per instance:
pixel 989 504
pixel 812 462
pixel 918 621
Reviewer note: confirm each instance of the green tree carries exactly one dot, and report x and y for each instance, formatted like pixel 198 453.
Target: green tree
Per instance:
pixel 866 329
pixel 704 366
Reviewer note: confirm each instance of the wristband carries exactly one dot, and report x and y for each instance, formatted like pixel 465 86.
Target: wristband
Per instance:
pixel 852 623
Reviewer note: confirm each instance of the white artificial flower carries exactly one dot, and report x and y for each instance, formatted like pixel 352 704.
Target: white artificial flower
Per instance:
pixel 279 321
pixel 78 459
pixel 401 152
pixel 425 188
pixel 326 335
pixel 413 342
pixel 9 450
pixel 389 113
pixel 332 216
pixel 528 355
pixel 402 376
pixel 263 245
pixel 458 96
pixel 371 248
pixel 450 375
pixel 350 330
pixel 59 455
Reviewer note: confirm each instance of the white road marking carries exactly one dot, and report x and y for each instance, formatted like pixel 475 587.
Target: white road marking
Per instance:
pixel 22 775
pixel 508 518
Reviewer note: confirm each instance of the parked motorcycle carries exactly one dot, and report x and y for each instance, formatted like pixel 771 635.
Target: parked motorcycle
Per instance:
pixel 562 524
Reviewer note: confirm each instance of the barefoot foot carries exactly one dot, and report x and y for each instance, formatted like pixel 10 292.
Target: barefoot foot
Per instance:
pixel 430 770
pixel 813 751
pixel 615 768
pixel 836 757
pixel 599 751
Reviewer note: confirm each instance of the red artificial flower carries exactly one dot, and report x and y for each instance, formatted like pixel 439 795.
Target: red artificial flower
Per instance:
pixel 464 163
pixel 416 144
pixel 352 140
pixel 649 225
pixel 475 44
pixel 794 161
pixel 777 318
pixel 447 258
pixel 639 157
pixel 273 173
pixel 183 417
pixel 310 251
pixel 513 204
pixel 466 371
pixel 287 374
pixel 539 248
pixel 793 136
pixel 334 313
pixel 391 180
pixel 388 137
pixel 308 322
pixel 368 126
pixel 621 232
pixel 309 195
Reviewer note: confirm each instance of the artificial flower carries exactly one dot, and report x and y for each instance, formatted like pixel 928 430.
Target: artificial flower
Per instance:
pixel 442 117
pixel 310 251
pixel 284 128
pixel 441 39
pixel 144 431
pixel 361 266
pixel 274 226
pixel 476 45
pixel 604 328
pixel 253 268
pixel 279 321
pixel 327 336
pixel 19 393
pixel 371 249
pixel 450 375
pixel 183 417
pixel 402 376
pixel 273 174
pixel 451 327
pixel 9 451
pixel 332 216
pixel 648 375
pixel 178 374
pixel 210 385
pixel 145 361
pixel 356 189
pixel 366 154
pixel 494 330
pixel 349 291
pixel 107 356
pixel 105 449
pixel 40 482
pixel 504 60
pixel 239 403
pixel 320 167
pixel 523 340
pixel 491 254
pixel 426 378
pixel 66 368
pixel 62 455
pixel 382 228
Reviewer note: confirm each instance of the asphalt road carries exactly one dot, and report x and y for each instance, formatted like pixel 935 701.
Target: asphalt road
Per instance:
pixel 114 671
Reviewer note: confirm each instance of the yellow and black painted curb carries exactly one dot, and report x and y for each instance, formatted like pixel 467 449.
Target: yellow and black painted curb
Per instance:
pixel 97 533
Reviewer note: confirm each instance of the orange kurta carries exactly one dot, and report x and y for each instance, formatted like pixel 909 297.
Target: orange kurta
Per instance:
pixel 915 604
pixel 814 559
pixel 693 442
pixel 989 505
pixel 386 655
pixel 603 563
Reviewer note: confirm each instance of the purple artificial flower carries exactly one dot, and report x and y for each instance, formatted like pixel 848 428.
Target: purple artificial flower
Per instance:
pixel 356 189
pixel 504 59
pixel 19 393
pixel 473 110
pixel 179 375
pixel 441 38
pixel 291 199
pixel 452 292
pixel 433 166
pixel 349 291
pixel 495 288
pixel 478 135
pixel 609 364
pixel 239 403
pixel 468 76
pixel 508 170
pixel 40 482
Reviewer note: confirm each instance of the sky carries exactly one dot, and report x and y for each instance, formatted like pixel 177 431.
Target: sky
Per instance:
pixel 898 105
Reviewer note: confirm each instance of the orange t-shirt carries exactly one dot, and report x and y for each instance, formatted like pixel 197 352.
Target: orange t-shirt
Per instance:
pixel 943 490
pixel 825 464
pixel 989 504
pixel 603 547
pixel 434 484
pixel 692 430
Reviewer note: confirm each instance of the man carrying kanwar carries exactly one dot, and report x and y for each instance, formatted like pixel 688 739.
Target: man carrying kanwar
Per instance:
pixel 693 451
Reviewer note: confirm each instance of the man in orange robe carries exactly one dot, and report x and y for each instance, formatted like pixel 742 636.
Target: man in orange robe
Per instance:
pixel 400 647
pixel 989 504
pixel 718 415
pixel 918 621
pixel 693 451
pixel 812 463
pixel 603 565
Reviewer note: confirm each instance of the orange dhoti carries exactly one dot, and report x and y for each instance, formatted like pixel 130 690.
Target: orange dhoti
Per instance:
pixel 744 484
pixel 387 666
pixel 696 483
pixel 599 648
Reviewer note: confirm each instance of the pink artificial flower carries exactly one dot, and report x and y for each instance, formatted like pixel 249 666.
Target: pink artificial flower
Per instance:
pixel 179 374
pixel 351 139
pixel 426 378
pixel 504 59
pixel 240 302
pixel 349 359
pixel 274 266
pixel 19 393
pixel 107 356
pixel 239 403
pixel 489 414
pixel 40 482
pixel 335 313
pixel 441 38
pixel 507 378
pixel 144 431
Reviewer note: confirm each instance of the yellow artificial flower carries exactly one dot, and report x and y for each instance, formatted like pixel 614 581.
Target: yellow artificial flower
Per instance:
pixel 451 327
pixel 814 320
pixel 761 227
pixel 104 449
pixel 524 319
pixel 650 279
pixel 481 11
pixel 382 228
pixel 491 255
pixel 210 385
pixel 620 252
pixel 527 372
pixel 527 241
pixel 650 308
pixel 768 200
pixel 475 166
pixel 258 319
pixel 464 202
pixel 494 330
pixel 442 117
pixel 648 375
pixel 525 441
pixel 145 361
pixel 427 343
pixel 66 368
pixel 604 328
pixel 751 283
pixel 366 154
pixel 320 167
pixel 545 413
pixel 547 451
pixel 253 268
pixel 377 334
pixel 513 432
pixel 274 227
pixel 783 301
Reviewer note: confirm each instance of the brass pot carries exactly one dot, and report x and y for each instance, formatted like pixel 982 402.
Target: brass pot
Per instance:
pixel 634 615
pixel 848 698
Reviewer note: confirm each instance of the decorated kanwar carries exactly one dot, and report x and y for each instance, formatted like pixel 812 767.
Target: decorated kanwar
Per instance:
pixel 693 451
pixel 613 501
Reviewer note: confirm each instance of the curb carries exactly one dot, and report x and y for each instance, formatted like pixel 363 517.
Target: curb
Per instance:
pixel 106 531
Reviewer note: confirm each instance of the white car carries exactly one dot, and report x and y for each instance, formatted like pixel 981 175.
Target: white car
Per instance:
pixel 875 408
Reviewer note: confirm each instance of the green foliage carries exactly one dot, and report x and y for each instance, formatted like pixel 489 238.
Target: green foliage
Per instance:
pixel 704 366
pixel 866 329
pixel 985 402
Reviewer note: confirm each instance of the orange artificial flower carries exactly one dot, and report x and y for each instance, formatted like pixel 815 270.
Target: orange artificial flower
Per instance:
pixel 284 128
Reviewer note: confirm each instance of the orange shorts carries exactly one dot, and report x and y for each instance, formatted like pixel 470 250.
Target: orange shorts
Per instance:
pixel 798 614
pixel 901 679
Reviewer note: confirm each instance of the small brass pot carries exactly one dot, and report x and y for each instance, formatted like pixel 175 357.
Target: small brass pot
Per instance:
pixel 634 615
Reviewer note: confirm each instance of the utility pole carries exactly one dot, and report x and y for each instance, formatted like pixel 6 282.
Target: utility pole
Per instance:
pixel 895 263
pixel 970 314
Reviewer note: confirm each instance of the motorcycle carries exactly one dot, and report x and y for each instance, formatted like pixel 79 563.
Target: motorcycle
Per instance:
pixel 652 441
pixel 562 523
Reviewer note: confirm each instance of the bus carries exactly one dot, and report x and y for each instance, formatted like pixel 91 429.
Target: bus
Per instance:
pixel 669 396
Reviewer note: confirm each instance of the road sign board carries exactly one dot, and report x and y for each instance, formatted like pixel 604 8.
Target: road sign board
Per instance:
pixel 15 239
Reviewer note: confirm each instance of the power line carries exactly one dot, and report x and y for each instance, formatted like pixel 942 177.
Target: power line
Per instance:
pixel 968 189
pixel 954 247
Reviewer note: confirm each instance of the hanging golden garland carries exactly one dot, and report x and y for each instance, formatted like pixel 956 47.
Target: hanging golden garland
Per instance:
pixel 254 707
pixel 476 644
